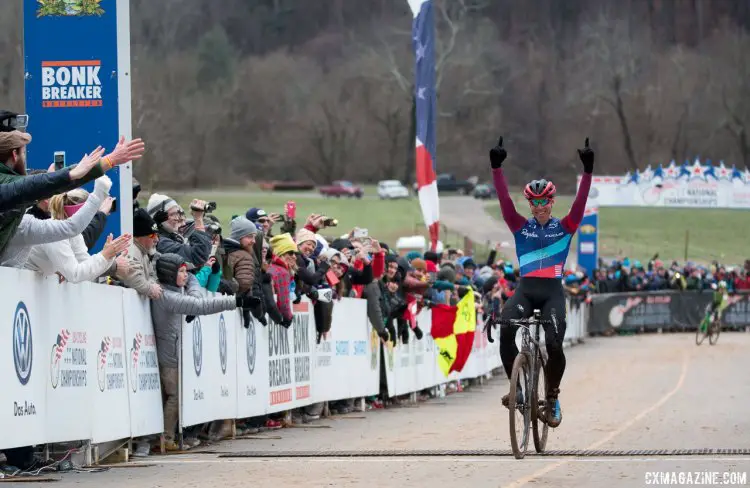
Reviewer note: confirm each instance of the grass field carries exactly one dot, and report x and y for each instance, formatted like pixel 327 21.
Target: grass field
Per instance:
pixel 385 220
pixel 640 232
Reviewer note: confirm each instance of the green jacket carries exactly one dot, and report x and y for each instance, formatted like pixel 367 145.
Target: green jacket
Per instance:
pixel 720 301
pixel 29 189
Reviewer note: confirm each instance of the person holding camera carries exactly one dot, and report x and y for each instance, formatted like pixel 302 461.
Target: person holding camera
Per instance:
pixel 170 217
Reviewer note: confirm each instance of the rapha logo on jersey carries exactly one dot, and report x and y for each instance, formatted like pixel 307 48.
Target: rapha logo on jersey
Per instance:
pixel 23 351
pixel 528 234
pixel 67 84
pixel 223 344
pixel 250 346
pixel 197 346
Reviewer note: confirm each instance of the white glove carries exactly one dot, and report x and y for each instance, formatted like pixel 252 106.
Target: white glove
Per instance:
pixel 325 295
pixel 102 186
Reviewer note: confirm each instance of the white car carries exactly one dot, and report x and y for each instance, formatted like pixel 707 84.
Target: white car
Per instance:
pixel 392 189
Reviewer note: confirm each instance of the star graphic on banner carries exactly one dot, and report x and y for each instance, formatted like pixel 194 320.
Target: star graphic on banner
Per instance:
pixel 420 50
pixel 736 173
pixel 724 172
pixel 420 92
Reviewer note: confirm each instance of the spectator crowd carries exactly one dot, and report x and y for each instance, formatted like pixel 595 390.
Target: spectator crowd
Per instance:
pixel 259 262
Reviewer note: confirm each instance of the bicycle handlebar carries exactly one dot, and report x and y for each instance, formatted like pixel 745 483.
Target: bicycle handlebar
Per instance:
pixel 524 322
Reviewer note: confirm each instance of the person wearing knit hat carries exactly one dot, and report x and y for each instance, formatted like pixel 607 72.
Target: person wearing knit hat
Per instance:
pixel 306 241
pixel 412 255
pixel 419 264
pixel 282 269
pixel 142 276
pixel 190 241
pixel 242 227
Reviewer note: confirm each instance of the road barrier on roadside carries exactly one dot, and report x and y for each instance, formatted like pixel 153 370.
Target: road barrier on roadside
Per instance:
pixel 81 362
pixel 665 310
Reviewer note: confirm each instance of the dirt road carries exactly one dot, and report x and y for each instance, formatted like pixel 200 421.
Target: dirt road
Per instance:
pixel 624 393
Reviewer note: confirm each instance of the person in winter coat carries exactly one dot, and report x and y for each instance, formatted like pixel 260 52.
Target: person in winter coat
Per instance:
pixel 170 218
pixel 142 255
pixel 22 190
pixel 93 231
pixel 32 231
pixel 241 263
pixel 182 295
pixel 70 258
pixel 282 270
pixel 265 289
pixel 311 281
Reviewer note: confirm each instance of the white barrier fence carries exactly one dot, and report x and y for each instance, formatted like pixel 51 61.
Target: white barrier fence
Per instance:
pixel 82 363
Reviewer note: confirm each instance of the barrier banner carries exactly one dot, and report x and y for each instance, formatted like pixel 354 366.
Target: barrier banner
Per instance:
pixel 252 368
pixel 346 360
pixel 77 87
pixel 588 241
pixel 70 357
pixel 290 360
pixel 209 380
pixel 144 385
pixel 24 309
pixel 737 313
pixel 106 348
pixel 648 310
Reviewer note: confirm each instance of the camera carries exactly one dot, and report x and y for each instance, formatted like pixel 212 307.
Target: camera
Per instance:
pixel 329 222
pixel 114 205
pixel 207 208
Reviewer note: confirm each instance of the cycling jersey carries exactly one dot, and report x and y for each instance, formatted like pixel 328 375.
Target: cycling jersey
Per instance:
pixel 541 250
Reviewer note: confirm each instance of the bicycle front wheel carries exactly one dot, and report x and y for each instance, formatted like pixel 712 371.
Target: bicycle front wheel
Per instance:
pixel 519 405
pixel 713 332
pixel 700 334
pixel 539 425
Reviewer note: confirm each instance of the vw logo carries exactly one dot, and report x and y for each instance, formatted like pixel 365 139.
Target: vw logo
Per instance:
pixel 223 344
pixel 23 351
pixel 197 346
pixel 593 192
pixel 250 347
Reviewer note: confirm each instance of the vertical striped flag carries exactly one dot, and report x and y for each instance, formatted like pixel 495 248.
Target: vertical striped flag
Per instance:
pixel 423 36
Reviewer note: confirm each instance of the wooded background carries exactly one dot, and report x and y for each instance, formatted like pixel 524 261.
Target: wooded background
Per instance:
pixel 236 90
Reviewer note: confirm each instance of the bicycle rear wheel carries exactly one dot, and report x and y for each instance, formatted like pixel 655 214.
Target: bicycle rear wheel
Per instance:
pixel 539 426
pixel 520 413
pixel 713 332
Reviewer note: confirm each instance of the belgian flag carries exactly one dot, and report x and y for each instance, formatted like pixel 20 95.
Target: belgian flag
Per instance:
pixel 453 330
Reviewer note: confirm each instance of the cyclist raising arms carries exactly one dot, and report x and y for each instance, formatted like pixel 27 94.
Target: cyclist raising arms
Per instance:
pixel 542 244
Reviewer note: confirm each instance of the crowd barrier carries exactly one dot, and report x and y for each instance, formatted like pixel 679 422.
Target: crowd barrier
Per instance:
pixel 655 310
pixel 82 363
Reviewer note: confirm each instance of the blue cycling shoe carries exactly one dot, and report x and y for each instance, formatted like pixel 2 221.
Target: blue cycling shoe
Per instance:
pixel 554 413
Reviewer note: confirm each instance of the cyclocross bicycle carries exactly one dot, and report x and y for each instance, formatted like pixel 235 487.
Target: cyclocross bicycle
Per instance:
pixel 708 328
pixel 527 379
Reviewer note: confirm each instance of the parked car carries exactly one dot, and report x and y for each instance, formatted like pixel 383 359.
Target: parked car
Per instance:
pixel 447 183
pixel 391 190
pixel 340 189
pixel 484 191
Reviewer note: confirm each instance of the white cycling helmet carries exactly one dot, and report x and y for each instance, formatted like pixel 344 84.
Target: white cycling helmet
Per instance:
pixel 722 284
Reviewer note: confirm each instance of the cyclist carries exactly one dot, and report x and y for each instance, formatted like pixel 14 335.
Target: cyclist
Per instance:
pixel 720 300
pixel 542 244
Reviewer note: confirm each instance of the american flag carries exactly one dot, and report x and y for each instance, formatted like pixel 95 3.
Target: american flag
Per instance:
pixel 137 348
pixel 558 271
pixel 62 340
pixel 423 35
pixel 106 342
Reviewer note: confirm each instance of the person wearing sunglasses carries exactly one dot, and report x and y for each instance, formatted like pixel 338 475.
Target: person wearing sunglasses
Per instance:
pixel 542 244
